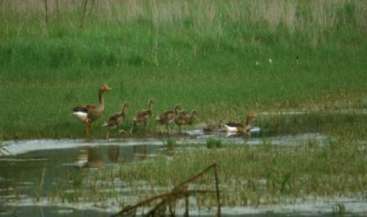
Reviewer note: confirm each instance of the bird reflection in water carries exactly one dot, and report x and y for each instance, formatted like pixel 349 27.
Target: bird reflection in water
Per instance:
pixel 89 158
pixel 113 153
pixel 92 157
pixel 140 152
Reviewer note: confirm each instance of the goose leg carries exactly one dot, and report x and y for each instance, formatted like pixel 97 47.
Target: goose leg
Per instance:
pixel 132 128
pixel 87 129
pixel 145 124
pixel 247 132
pixel 167 128
pixel 108 134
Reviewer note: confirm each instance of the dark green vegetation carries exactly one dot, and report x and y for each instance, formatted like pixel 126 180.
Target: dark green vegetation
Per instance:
pixel 209 55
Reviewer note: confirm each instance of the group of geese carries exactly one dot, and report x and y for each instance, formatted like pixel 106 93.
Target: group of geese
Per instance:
pixel 87 114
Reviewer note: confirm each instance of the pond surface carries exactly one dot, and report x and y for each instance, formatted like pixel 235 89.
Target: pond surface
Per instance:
pixel 31 169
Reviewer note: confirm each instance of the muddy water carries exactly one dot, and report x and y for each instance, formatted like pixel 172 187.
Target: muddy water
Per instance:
pixel 29 170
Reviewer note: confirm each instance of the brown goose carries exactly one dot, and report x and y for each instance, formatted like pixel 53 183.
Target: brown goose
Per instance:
pixel 116 119
pixel 185 118
pixel 168 117
pixel 241 128
pixel 87 114
pixel 142 117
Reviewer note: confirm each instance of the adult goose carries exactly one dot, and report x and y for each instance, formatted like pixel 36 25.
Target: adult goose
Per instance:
pixel 241 128
pixel 87 114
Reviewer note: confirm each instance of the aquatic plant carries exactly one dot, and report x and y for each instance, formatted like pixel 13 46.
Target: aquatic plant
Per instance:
pixel 213 143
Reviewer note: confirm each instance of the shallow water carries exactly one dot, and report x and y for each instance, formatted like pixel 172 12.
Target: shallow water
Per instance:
pixel 322 209
pixel 198 137
pixel 30 169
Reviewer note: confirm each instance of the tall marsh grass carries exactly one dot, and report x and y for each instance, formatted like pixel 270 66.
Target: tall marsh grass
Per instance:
pixel 294 15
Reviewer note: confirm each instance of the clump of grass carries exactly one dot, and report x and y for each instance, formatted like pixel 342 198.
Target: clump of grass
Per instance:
pixel 213 143
pixel 170 146
pixel 339 210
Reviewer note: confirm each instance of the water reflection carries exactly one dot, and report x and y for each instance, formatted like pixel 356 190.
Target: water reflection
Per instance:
pixel 97 157
pixel 113 153
pixel 36 174
pixel 140 152
pixel 94 159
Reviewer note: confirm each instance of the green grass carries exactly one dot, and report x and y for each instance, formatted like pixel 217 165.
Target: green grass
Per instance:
pixel 201 59
pixel 213 143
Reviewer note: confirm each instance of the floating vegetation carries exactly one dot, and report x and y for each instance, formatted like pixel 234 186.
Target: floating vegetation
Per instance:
pixel 170 146
pixel 213 143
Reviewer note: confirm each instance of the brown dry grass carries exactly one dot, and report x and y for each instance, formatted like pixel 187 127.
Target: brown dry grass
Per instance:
pixel 295 15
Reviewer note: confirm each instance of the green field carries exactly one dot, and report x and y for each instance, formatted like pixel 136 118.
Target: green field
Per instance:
pixel 212 56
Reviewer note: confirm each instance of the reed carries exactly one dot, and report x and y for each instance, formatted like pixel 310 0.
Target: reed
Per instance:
pixel 294 15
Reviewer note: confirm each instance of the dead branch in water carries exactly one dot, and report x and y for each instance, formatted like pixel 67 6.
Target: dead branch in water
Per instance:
pixel 178 192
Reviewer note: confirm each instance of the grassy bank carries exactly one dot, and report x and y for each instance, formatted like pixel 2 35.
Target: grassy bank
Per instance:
pixel 209 55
